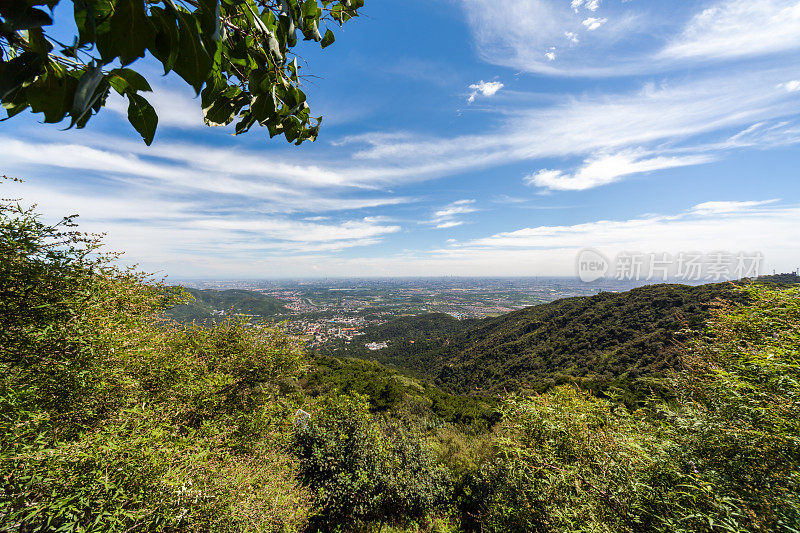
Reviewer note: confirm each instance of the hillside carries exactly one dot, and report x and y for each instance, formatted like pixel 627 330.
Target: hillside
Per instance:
pixel 789 278
pixel 415 327
pixel 207 305
pixel 595 340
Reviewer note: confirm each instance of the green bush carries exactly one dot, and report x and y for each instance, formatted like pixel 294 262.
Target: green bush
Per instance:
pixel 741 390
pixel 567 461
pixel 364 470
pixel 113 419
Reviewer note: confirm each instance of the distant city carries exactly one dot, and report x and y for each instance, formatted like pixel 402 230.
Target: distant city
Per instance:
pixel 325 309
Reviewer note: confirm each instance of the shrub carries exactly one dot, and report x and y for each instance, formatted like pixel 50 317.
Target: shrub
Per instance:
pixel 566 461
pixel 113 419
pixel 363 470
pixel 741 392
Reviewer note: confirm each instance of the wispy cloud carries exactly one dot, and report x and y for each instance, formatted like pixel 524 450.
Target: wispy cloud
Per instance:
pixel 449 215
pixel 175 108
pixel 748 226
pixel 630 37
pixel 790 86
pixel 658 126
pixel 738 28
pixel 551 250
pixel 609 168
pixel 157 231
pixel 727 207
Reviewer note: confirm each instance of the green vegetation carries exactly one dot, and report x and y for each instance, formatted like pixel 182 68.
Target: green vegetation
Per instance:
pixel 415 327
pixel 236 54
pixel 206 305
pixel 113 420
pixel 610 340
pixel 787 278
pixel 724 457
pixel 114 417
pixel 389 391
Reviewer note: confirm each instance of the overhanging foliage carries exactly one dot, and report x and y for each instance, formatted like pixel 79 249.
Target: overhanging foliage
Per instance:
pixel 237 54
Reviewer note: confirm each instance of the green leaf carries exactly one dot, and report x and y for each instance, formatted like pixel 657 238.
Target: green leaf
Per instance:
pixel 125 79
pixel 220 113
pixel 310 10
pixel 263 107
pixel 21 17
pixel 209 16
pixel 275 48
pixel 22 69
pixel 85 96
pixel 131 30
pixel 52 93
pixel 37 42
pixel 166 44
pixel 193 63
pixel 142 116
pixel 312 32
pixel 328 39
pixel 84 15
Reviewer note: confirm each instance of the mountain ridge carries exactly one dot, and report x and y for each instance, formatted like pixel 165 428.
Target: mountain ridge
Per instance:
pixel 208 303
pixel 593 340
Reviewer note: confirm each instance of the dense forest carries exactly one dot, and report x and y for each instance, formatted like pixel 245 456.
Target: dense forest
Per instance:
pixel 610 339
pixel 115 417
pixel 210 305
pixel 788 278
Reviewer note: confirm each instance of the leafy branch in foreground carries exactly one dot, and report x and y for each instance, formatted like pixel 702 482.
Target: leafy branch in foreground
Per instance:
pixel 237 54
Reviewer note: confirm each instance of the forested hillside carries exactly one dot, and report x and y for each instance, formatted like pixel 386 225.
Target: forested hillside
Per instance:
pixel 207 305
pixel 415 327
pixel 790 278
pixel 594 341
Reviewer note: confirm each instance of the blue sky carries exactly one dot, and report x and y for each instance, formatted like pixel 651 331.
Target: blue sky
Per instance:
pixel 471 137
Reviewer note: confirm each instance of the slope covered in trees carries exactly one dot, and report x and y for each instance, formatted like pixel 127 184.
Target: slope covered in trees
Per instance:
pixel 789 278
pixel 206 304
pixel 595 341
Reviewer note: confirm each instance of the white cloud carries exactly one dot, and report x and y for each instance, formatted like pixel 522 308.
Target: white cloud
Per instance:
pixel 447 217
pixel 551 56
pixel 177 109
pixel 159 232
pixel 283 229
pixel 738 28
pixel 791 86
pixel 637 37
pixel 719 207
pixel 572 37
pixel 663 121
pixel 591 5
pixel 183 168
pixel 765 135
pixel 484 88
pixel 609 168
pixel 670 115
pixel 551 250
pixel 176 236
pixel 593 23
